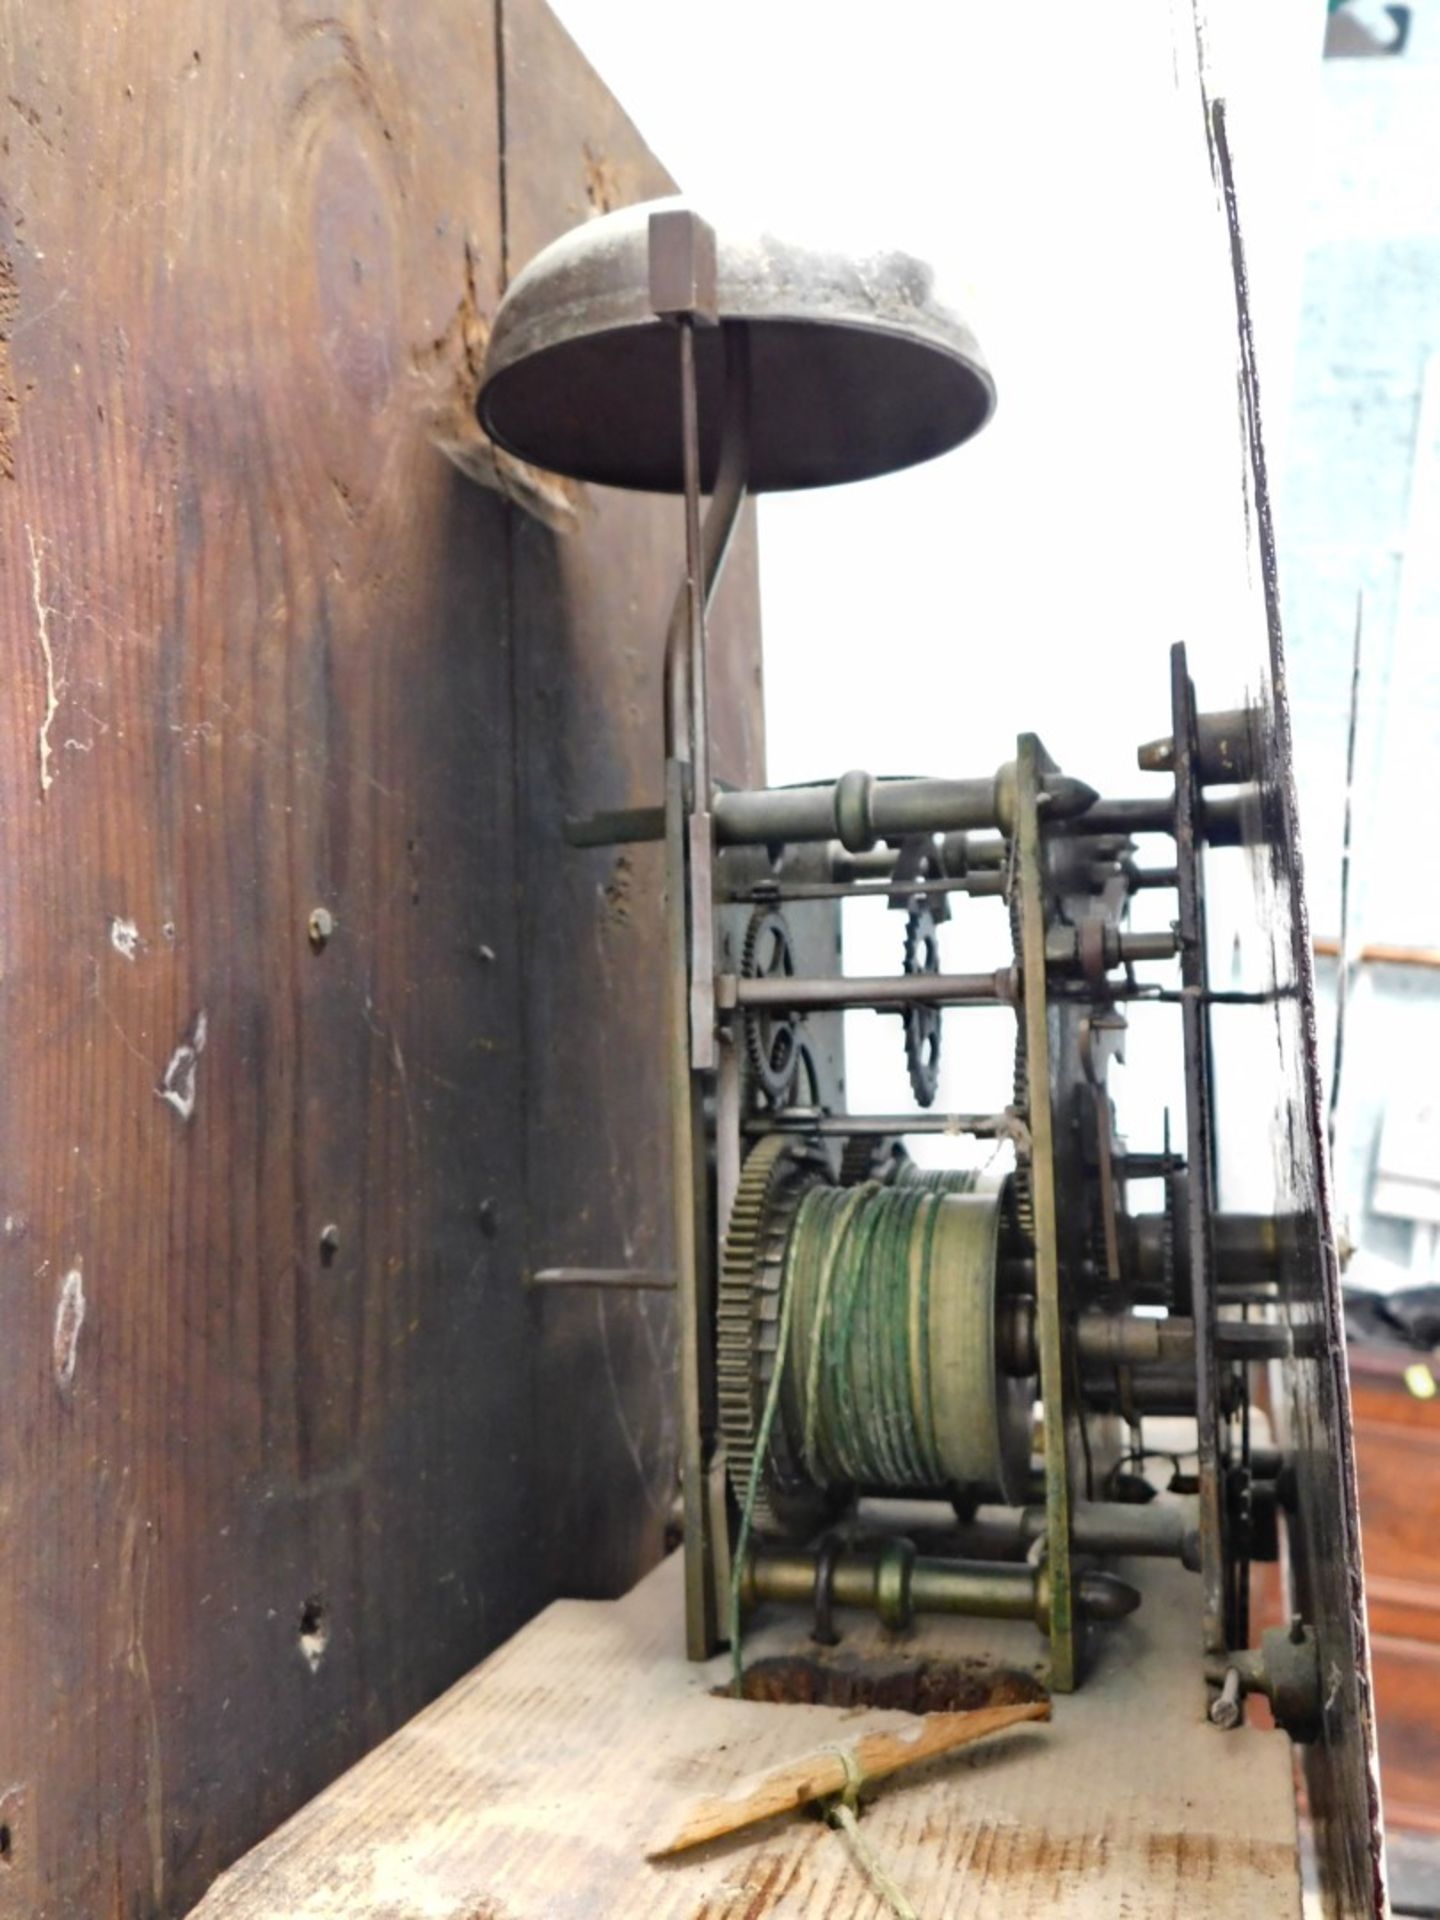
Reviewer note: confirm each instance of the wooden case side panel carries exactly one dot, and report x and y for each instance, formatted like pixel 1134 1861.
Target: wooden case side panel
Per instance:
pixel 593 591
pixel 1341 1771
pixel 267 1488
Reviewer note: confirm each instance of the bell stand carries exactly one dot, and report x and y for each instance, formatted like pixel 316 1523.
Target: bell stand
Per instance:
pixel 682 278
pixel 578 379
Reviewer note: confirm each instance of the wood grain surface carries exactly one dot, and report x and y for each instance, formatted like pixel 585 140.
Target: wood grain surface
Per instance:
pixel 591 610
pixel 1397 1455
pixel 270 653
pixel 532 1789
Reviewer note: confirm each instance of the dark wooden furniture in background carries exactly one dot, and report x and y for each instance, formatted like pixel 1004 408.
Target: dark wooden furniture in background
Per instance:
pixel 1397 1448
pixel 316 1038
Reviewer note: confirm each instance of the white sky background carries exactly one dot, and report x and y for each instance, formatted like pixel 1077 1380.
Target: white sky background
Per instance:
pixel 1050 159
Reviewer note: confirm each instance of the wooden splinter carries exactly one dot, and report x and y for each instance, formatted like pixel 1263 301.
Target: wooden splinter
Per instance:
pixel 830 1770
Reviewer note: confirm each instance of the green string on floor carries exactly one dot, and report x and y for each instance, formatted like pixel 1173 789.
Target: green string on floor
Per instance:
pixel 843 1814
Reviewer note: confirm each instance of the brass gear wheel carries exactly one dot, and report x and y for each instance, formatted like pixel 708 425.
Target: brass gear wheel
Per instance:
pixel 772 1036
pixel 864 1157
pixel 923 1025
pixel 779 1172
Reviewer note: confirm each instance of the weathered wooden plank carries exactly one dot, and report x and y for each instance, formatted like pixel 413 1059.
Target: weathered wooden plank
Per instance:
pixel 535 1786
pixel 262 1498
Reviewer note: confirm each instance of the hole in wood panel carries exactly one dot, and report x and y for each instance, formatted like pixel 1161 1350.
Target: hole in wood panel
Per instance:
pixel 912 1685
pixel 314 1632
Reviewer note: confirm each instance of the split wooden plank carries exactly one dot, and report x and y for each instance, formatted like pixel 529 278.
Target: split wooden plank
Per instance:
pixel 834 1769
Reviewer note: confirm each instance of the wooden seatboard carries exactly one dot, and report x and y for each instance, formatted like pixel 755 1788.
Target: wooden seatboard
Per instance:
pixel 535 1785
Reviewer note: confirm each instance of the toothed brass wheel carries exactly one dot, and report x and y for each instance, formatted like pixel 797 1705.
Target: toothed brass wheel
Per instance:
pixel 772 1035
pixel 892 1378
pixel 923 1025
pixel 780 1171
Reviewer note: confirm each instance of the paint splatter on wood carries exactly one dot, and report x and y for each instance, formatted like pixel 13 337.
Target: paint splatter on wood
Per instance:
pixel 69 1319
pixel 45 752
pixel 178 1087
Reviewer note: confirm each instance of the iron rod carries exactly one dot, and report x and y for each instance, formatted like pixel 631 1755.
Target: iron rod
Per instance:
pixel 858 809
pixel 1159 1530
pixel 1220 821
pixel 883 990
pixel 694 565
pixel 1135 1339
pixel 995 1590
pixel 977 885
pixel 957 856
pixel 625 1279
pixel 879 1126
